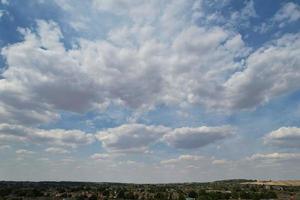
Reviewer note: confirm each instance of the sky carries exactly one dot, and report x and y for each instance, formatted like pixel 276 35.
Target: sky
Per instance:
pixel 149 91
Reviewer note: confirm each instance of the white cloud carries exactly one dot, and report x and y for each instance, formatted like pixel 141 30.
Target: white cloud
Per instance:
pixel 138 11
pixel 71 80
pixel 58 78
pixel 138 137
pixel 130 137
pixel 220 162
pixel 56 150
pixel 289 12
pixel 2 13
pixel 196 65
pixel 100 156
pixel 183 159
pixel 24 152
pixel 4 147
pixel 189 138
pixel 241 18
pixel 269 72
pixel 275 157
pixel 58 137
pixel 5 2
pixel 260 166
pixel 286 137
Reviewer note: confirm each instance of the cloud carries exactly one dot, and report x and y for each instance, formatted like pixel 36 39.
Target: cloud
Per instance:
pixel 269 72
pixel 58 137
pixel 189 138
pixel 43 58
pixel 197 65
pixel 259 165
pixel 241 18
pixel 56 150
pixel 220 162
pixel 275 157
pixel 138 137
pixel 130 137
pixel 71 80
pixel 4 147
pixel 5 2
pixel 289 12
pixel 24 152
pixel 3 13
pixel 285 137
pixel 183 159
pixel 100 156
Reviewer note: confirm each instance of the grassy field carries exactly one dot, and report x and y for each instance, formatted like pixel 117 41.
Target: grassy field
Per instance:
pixel 279 182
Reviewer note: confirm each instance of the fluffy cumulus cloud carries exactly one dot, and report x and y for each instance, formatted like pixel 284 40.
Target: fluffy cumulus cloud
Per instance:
pixel 286 137
pixel 57 137
pixel 290 12
pixel 196 65
pixel 270 71
pixel 189 138
pixel 43 77
pixel 131 137
pixel 138 137
pixel 48 78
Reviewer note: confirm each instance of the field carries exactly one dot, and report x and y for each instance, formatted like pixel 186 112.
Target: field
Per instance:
pixel 275 183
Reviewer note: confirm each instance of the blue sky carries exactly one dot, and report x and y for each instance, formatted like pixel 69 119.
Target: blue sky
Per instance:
pixel 149 91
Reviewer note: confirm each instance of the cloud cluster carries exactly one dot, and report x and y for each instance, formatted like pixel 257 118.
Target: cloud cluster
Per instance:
pixel 284 137
pixel 189 138
pixel 127 138
pixel 270 71
pixel 130 137
pixel 261 165
pixel 55 137
pixel 139 137
pixel 198 66
pixel 183 159
pixel 275 157
pixel 56 150
pixel 289 12
pixel 24 152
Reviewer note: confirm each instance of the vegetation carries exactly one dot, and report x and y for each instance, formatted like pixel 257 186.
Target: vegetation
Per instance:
pixel 228 189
